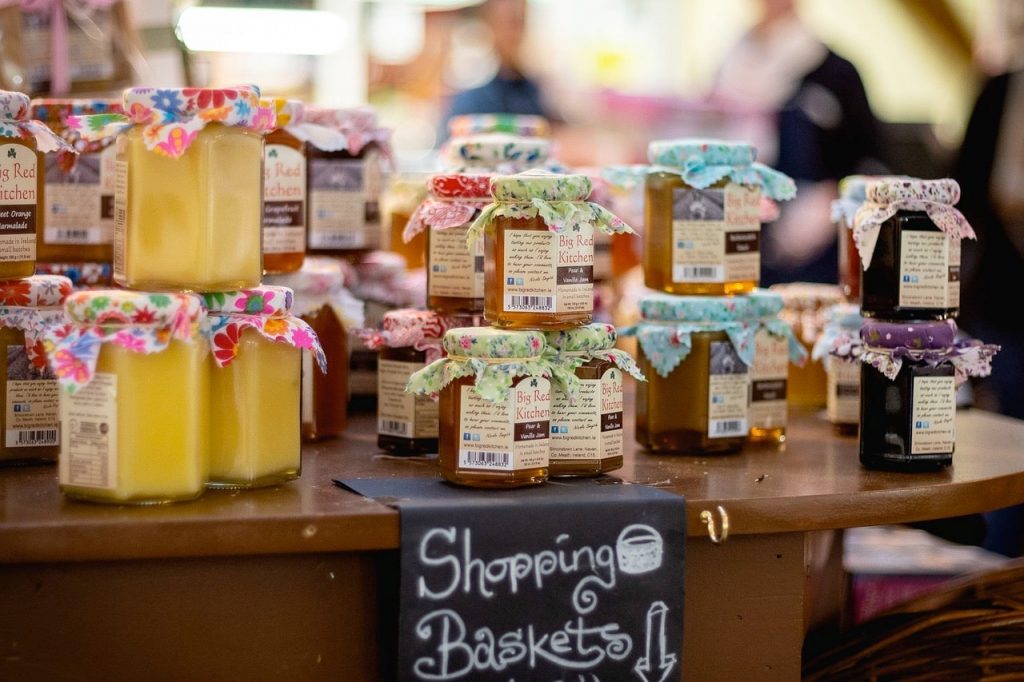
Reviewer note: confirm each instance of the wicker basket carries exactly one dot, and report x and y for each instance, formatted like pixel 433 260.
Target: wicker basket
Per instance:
pixel 971 629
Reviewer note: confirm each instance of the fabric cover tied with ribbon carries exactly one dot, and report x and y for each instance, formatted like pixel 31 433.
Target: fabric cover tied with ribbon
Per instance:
pixel 668 323
pixel 136 321
pixel 765 307
pixel 495 357
pixel 33 305
pixel 454 200
pixel 321 282
pixel 348 130
pixel 496 153
pixel 173 117
pixel 16 121
pixel 886 346
pixel 571 348
pixel 559 200
pixel 852 195
pixel 702 163
pixel 264 309
pixel 56 112
pixel 514 124
pixel 804 305
pixel 408 328
pixel 888 196
pixel 842 320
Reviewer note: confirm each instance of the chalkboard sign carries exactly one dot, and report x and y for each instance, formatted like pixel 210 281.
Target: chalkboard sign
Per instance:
pixel 578 581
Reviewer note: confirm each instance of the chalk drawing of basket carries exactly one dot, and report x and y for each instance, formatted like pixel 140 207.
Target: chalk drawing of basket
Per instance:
pixel 639 549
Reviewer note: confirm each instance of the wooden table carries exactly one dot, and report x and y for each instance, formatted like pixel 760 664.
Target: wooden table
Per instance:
pixel 298 582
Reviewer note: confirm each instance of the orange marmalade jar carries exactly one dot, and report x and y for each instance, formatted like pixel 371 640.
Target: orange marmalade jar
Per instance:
pixel 284 190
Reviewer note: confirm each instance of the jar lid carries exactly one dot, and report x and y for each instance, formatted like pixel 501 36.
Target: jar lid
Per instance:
pixel 80 274
pixel 16 121
pixel 590 337
pixel 538 184
pixel 845 316
pixel 57 110
pixel 708 152
pixel 380 266
pixel 912 335
pixel 764 303
pixel 493 150
pixel 347 119
pixel 318 275
pixel 288 111
pixel 414 324
pixel 669 308
pixel 461 185
pixel 133 308
pixel 808 295
pixel 513 124
pixel 887 190
pixel 493 343
pixel 36 291
pixel 265 300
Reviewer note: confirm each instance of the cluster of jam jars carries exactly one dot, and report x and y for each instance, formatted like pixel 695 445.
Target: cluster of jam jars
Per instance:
pixel 907 235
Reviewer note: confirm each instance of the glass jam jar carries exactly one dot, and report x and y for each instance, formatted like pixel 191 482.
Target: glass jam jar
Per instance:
pixel 908 234
pixel 346 179
pixel 23 142
pixel 82 275
pixel 255 388
pixel 322 301
pixel 188 208
pixel 495 153
pixel 852 194
pixel 30 418
pixel 775 347
pixel 696 353
pixel 703 216
pixel 587 403
pixel 803 309
pixel 842 329
pixel 407 342
pixel 402 197
pixel 495 406
pixel 513 124
pixel 455 273
pixel 284 189
pixel 539 250
pixel 909 374
pixel 79 212
pixel 135 397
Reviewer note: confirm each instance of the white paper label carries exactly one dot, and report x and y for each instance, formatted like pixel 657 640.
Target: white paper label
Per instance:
pixel 402 414
pixel 341 213
pixel 453 270
pixel 768 381
pixel 716 235
pixel 511 435
pixel 32 404
pixel 284 200
pixel 843 403
pixel 548 272
pixel 728 392
pixel 933 419
pixel 590 428
pixel 89 453
pixel 929 270
pixel 19 203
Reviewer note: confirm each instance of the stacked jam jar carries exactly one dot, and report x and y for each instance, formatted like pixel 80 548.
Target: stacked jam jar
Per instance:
pixel 189 376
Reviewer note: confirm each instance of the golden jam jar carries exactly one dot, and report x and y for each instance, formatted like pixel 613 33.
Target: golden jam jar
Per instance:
pixel 775 347
pixel 285 205
pixel 804 306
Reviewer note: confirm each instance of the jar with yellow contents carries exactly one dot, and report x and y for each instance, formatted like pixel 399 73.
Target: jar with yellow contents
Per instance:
pixel 495 406
pixel 189 201
pixel 257 346
pixel 134 397
pixel 285 205
pixel 23 143
pixel 804 306
pixel 696 352
pixel 843 322
pixel 539 250
pixel 30 418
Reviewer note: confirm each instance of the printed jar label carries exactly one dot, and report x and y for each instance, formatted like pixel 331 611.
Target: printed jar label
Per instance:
pixel 80 203
pixel 453 270
pixel 89 440
pixel 19 202
pixel 506 436
pixel 843 402
pixel 592 427
pixel 341 216
pixel 768 381
pixel 548 272
pixel 929 270
pixel 399 413
pixel 716 235
pixel 33 405
pixel 728 388
pixel 284 200
pixel 933 418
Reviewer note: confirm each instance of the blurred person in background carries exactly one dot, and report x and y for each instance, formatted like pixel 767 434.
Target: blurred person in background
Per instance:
pixel 990 170
pixel 825 131
pixel 510 91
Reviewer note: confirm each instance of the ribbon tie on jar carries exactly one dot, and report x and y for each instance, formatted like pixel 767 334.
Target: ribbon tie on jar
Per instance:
pixel 665 344
pixel 968 358
pixel 493 376
pixel 559 216
pixel 16 121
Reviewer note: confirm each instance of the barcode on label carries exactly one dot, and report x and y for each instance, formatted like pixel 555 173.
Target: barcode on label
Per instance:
pixel 540 303
pixel 72 235
pixel 479 459
pixel 336 240
pixel 698 273
pixel 393 427
pixel 31 437
pixel 727 427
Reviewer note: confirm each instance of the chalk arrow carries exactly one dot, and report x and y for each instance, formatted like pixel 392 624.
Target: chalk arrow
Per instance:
pixel 655 664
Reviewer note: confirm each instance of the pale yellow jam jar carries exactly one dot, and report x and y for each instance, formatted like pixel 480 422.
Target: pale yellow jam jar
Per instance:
pixel 188 202
pixel 134 399
pixel 257 344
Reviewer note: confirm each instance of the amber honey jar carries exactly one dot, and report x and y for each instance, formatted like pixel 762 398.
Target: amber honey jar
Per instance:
pixel 804 305
pixel 775 349
pixel 495 406
pixel 587 402
pixel 852 194
pixel 285 204
pixel 908 234
pixel 696 353
pixel 403 195
pixel 703 216
pixel 842 330
pixel 539 250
